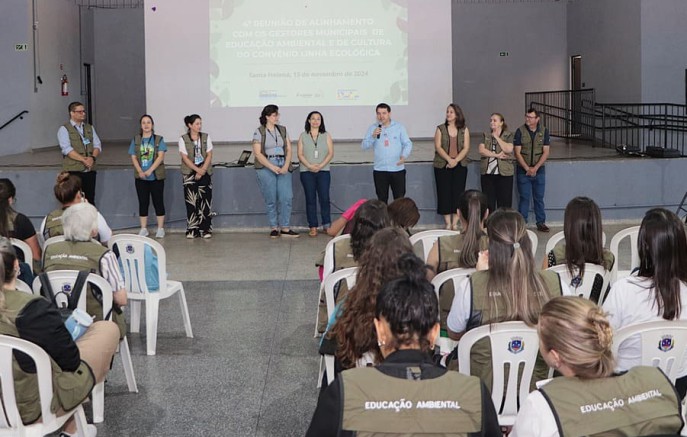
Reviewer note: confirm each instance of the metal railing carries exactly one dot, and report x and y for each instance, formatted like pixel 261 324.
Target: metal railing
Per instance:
pixel 18 116
pixel 575 114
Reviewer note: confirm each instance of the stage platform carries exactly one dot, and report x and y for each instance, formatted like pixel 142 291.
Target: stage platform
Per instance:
pixel 623 187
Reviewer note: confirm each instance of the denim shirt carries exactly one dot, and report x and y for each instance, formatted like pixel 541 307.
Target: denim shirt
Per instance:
pixel 392 144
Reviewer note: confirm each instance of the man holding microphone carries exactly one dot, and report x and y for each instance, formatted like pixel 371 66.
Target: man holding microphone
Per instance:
pixel 392 146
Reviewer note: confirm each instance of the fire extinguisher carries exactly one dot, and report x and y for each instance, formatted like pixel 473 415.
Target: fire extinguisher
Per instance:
pixel 64 85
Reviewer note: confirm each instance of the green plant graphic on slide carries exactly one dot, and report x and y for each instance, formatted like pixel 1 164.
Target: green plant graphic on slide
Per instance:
pixel 308 52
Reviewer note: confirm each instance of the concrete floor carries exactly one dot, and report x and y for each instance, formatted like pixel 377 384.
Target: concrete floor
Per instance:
pixel 251 368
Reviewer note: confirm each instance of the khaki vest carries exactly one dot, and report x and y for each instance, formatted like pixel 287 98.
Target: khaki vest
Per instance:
pixel 532 152
pixel 505 165
pixel 440 162
pixel 81 255
pixel 379 404
pixel 559 256
pixel 53 224
pixel 69 388
pixel 69 164
pixel 639 402
pixel 191 152
pixel 480 355
pixel 160 169
pixel 262 130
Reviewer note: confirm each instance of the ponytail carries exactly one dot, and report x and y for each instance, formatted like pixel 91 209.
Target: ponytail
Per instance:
pixel 473 207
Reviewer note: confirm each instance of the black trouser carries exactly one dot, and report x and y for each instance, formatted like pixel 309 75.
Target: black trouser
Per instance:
pixel 146 190
pixel 450 186
pixel 87 184
pixel 499 191
pixel 385 179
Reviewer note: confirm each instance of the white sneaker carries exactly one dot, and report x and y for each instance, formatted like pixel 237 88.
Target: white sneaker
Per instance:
pixel 160 233
pixel 143 232
pixel 91 431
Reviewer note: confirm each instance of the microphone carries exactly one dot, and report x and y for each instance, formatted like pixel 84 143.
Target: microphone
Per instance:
pixel 380 133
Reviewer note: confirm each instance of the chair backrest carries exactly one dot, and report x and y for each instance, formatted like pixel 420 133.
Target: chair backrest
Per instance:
pixel 514 344
pixel 632 233
pixel 558 236
pixel 23 286
pixel 329 254
pixel 11 417
pixel 63 280
pixel 456 275
pixel 663 344
pixel 349 275
pixel 584 288
pixel 131 252
pixel 52 240
pixel 535 241
pixel 428 238
pixel 25 249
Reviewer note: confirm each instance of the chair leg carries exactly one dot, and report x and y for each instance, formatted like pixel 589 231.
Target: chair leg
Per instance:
pixel 135 307
pixel 317 317
pixel 320 374
pixel 329 364
pixel 81 423
pixel 152 308
pixel 98 399
pixel 128 366
pixel 184 312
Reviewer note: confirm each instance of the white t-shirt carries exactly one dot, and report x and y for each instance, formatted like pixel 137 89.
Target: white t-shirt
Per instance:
pixel 631 301
pixel 182 145
pixel 457 320
pixel 535 418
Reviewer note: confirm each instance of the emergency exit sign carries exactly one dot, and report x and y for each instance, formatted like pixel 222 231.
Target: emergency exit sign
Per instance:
pixel 503 53
pixel 21 47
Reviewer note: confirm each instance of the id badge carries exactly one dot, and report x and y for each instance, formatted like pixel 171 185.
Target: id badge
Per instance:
pixel 198 159
pixel 86 141
pixel 316 155
pixel 386 142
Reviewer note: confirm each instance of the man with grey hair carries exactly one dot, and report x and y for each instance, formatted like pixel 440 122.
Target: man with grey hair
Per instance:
pixel 80 252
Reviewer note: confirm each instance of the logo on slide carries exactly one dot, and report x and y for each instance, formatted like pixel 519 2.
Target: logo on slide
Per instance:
pixel 268 94
pixel 347 94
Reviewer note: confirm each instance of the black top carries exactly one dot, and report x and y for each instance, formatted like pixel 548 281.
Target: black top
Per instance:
pixel 23 228
pixel 327 418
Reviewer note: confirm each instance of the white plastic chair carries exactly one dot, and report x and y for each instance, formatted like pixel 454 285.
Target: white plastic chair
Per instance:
pixel 512 343
pixel 632 233
pixel 328 266
pixel 58 279
pixel 23 286
pixel 131 253
pixel 348 275
pixel 558 236
pixel 26 251
pixel 585 288
pixel 663 344
pixel 52 240
pixel 535 241
pixel 10 420
pixel 457 276
pixel 428 238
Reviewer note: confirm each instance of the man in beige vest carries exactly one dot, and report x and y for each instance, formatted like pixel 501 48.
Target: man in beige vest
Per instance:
pixel 80 147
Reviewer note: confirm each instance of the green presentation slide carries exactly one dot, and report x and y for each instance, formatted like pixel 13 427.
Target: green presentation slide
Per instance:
pixel 308 53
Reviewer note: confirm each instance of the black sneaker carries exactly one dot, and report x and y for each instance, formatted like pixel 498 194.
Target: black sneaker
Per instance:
pixel 290 233
pixel 541 227
pixel 274 233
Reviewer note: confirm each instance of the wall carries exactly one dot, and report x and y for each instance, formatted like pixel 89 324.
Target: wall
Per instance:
pixel 664 51
pixel 119 72
pixel 533 34
pixel 607 34
pixel 16 85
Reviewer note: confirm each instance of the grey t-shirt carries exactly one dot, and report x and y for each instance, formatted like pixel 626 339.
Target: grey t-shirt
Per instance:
pixel 274 143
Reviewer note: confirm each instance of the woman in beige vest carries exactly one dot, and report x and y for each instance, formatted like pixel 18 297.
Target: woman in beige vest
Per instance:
pixel 496 165
pixel 451 147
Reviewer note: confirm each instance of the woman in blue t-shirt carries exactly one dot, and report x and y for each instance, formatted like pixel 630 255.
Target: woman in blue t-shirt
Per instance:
pixel 147 152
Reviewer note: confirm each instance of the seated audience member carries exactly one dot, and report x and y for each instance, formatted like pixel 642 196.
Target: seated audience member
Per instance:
pixel 589 399
pixel 461 250
pixel 369 218
pixel 342 225
pixel 77 366
pixel 353 330
pixel 14 224
pixel 68 192
pixel 583 242
pixel 79 252
pixel 656 291
pixel 405 321
pixel 403 213
pixel 507 286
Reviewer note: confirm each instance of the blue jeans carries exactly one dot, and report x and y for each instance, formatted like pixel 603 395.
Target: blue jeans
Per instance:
pixel 528 187
pixel 316 185
pixel 278 193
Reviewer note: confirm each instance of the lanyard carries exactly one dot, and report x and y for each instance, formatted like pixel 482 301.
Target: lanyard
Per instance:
pixel 276 139
pixel 316 139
